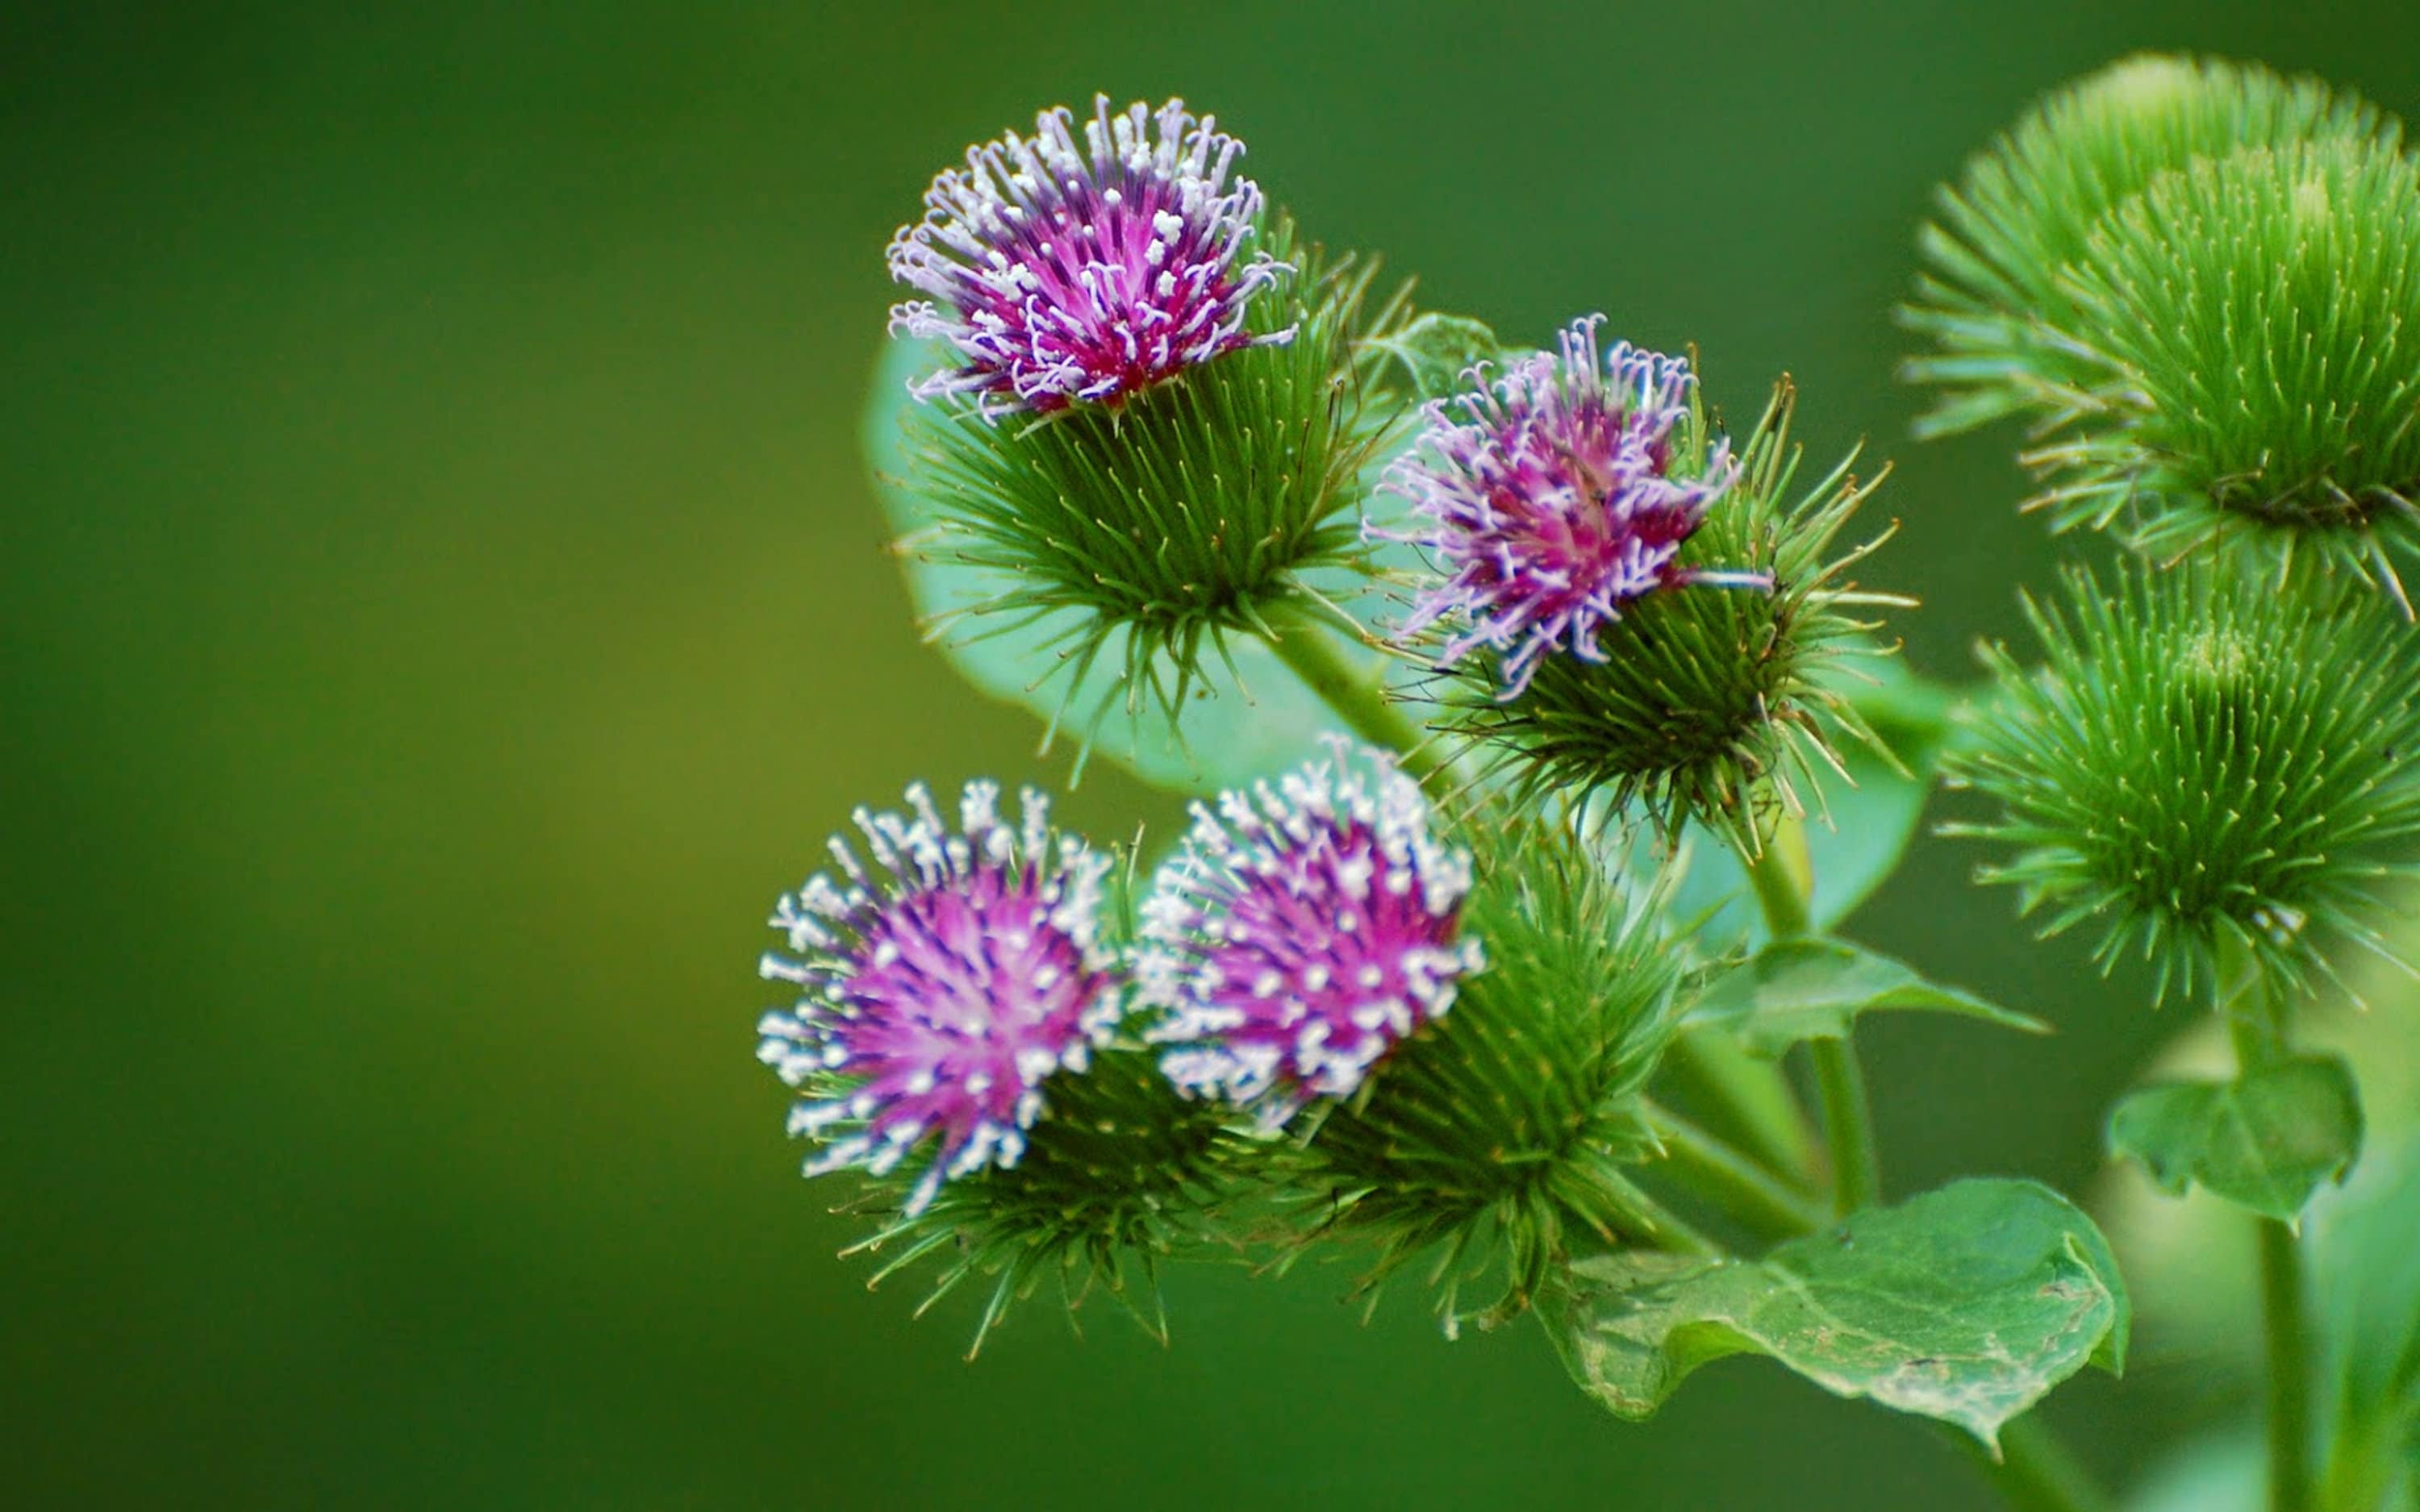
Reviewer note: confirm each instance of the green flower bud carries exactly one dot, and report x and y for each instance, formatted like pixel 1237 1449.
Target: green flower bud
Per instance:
pixel 2258 320
pixel 1118 1173
pixel 1993 297
pixel 1495 1137
pixel 2201 757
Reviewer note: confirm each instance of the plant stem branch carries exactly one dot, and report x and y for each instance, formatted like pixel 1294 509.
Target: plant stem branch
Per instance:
pixel 2036 1470
pixel 1357 695
pixel 2255 1022
pixel 1750 1102
pixel 1848 1126
pixel 1771 1208
pixel 1783 876
pixel 1782 879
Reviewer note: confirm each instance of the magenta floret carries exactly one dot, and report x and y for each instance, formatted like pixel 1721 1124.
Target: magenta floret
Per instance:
pixel 1551 500
pixel 1062 272
pixel 1306 930
pixel 942 987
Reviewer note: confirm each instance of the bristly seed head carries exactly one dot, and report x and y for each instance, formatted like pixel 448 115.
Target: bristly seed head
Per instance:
pixel 2202 755
pixel 1069 273
pixel 1994 296
pixel 1306 930
pixel 942 987
pixel 2253 321
pixel 1552 501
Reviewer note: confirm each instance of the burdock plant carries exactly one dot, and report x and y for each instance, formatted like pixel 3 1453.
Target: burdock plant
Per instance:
pixel 1470 993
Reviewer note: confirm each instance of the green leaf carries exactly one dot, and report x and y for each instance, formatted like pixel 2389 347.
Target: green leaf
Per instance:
pixel 2266 1141
pixel 1862 827
pixel 1815 989
pixel 1966 1304
pixel 1431 350
pixel 1252 724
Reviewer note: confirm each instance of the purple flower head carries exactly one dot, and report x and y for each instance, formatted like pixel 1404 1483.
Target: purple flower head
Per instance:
pixel 1304 933
pixel 940 987
pixel 1551 502
pixel 1068 272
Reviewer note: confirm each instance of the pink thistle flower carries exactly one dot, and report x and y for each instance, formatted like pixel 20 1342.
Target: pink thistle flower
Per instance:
pixel 1306 930
pixel 1553 504
pixel 942 988
pixel 1065 273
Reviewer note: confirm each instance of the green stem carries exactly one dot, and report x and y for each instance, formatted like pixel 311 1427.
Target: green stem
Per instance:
pixel 2035 1470
pixel 1352 689
pixel 1668 1232
pixel 1748 1099
pixel 1781 876
pixel 1847 1127
pixel 1772 1209
pixel 2255 1021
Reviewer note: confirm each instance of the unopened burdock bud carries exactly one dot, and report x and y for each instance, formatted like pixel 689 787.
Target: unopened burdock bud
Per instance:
pixel 2201 757
pixel 2256 323
pixel 1994 296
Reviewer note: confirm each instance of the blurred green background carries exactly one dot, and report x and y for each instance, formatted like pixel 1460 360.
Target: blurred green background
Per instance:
pixel 442 607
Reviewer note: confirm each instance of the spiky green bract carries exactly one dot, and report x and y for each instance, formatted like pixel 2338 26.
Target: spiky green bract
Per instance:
pixel 1118 1173
pixel 1496 1137
pixel 2259 319
pixel 1182 514
pixel 1992 297
pixel 1710 703
pixel 2201 756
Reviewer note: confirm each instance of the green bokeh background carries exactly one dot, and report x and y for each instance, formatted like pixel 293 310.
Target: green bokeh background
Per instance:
pixel 441 606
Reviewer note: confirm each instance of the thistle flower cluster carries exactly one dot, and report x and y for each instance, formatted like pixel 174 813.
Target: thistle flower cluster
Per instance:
pixel 1073 1094
pixel 1555 502
pixel 1412 1000
pixel 1067 274
pixel 1663 607
pixel 2202 757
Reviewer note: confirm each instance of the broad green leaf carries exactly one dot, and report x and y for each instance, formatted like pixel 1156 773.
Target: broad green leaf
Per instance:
pixel 1861 827
pixel 1431 352
pixel 1815 989
pixel 2266 1141
pixel 1966 1304
pixel 1259 722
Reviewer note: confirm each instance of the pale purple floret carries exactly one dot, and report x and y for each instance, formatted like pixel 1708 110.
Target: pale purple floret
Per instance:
pixel 1062 272
pixel 940 987
pixel 1551 501
pixel 1304 932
